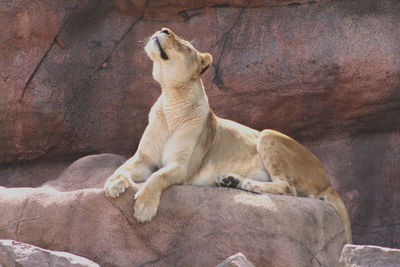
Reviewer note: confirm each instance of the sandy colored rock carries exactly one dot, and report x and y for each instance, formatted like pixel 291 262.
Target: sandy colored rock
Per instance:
pixel 13 253
pixel 195 226
pixel 369 256
pixel 237 260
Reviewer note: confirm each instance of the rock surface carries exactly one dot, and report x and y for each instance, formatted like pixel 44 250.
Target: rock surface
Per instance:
pixel 237 260
pixel 365 171
pixel 14 253
pixel 369 256
pixel 87 172
pixel 194 225
pixel 74 81
pixel 31 174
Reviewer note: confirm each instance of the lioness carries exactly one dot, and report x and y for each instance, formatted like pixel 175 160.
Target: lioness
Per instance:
pixel 186 143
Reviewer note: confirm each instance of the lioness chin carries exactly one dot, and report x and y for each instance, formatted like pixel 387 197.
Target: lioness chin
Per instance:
pixel 186 143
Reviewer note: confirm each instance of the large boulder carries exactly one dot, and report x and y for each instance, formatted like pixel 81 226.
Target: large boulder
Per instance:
pixel 199 226
pixel 87 172
pixel 14 253
pixel 369 256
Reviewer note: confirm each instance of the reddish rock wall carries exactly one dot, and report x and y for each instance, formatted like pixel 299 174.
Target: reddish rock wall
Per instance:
pixel 74 80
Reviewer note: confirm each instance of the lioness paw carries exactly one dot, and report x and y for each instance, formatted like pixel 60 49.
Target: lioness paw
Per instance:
pixel 251 186
pixel 116 184
pixel 228 180
pixel 146 205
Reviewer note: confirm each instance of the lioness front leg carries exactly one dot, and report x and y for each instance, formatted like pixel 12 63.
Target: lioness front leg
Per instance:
pixel 148 196
pixel 135 169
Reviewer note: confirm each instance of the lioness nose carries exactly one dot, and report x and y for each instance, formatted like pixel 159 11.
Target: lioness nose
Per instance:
pixel 165 30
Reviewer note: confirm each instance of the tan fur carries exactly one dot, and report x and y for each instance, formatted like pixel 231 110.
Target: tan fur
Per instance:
pixel 185 143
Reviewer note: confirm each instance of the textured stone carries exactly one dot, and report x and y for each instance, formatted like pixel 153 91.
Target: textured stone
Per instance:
pixel 237 260
pixel 365 171
pixel 369 256
pixel 87 172
pixel 194 226
pixel 14 253
pixel 77 80
pixel 31 174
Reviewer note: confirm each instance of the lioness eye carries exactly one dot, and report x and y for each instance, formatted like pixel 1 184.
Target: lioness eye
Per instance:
pixel 187 48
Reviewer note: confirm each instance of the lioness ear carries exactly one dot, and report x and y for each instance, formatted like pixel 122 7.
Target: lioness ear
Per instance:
pixel 205 62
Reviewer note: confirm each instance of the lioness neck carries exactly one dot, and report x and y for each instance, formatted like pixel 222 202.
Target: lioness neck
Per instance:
pixel 185 103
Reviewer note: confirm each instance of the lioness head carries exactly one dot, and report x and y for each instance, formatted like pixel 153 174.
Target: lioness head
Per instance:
pixel 175 61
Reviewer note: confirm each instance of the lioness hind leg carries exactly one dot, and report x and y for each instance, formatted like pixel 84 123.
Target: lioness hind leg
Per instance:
pixel 233 180
pixel 278 187
pixel 284 159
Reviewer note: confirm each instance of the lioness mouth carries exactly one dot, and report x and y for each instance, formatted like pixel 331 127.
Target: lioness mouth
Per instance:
pixel 162 52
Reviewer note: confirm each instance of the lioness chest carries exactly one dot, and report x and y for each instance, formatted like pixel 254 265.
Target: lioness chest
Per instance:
pixel 233 150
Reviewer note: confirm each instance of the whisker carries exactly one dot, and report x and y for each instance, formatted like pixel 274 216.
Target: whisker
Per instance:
pixel 145 40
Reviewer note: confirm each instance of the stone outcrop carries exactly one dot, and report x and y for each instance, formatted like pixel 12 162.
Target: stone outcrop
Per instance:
pixel 199 226
pixel 87 172
pixel 74 81
pixel 369 256
pixel 237 260
pixel 13 253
